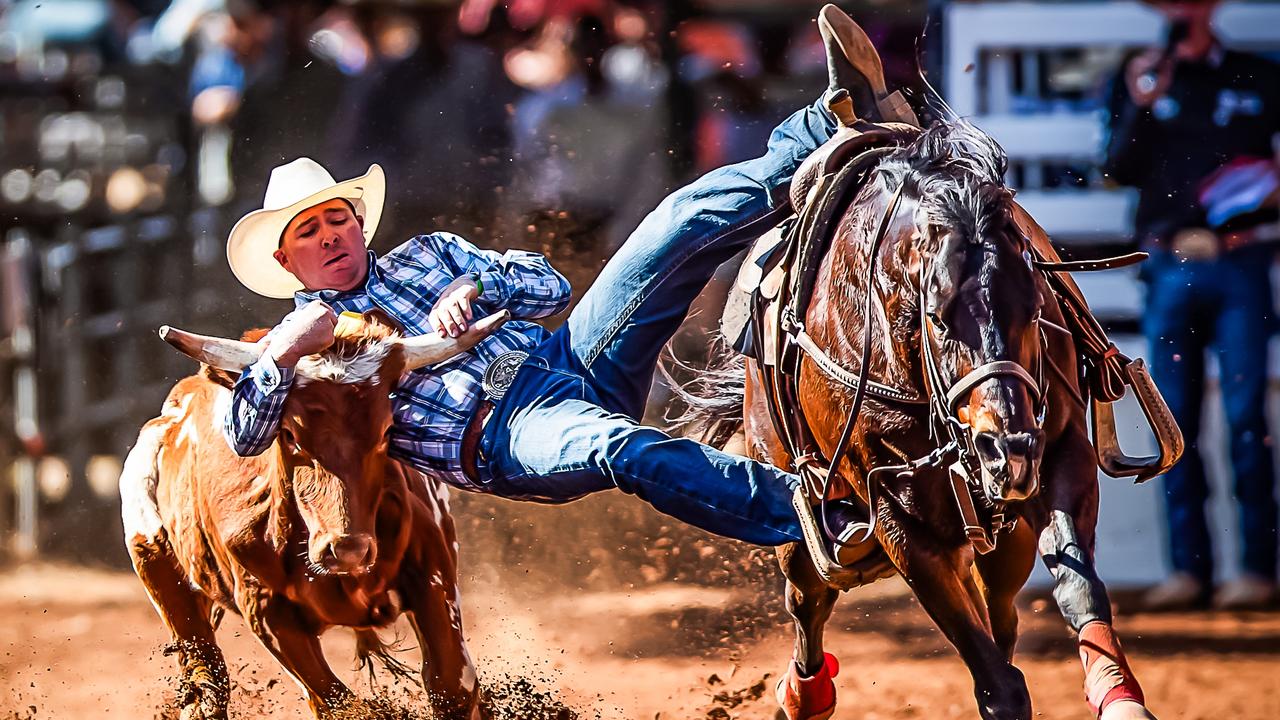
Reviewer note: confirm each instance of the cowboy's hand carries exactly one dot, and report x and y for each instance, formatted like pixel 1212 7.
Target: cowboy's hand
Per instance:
pixel 305 331
pixel 1148 77
pixel 451 314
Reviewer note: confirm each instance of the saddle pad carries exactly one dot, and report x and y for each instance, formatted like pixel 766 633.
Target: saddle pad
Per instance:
pixel 752 276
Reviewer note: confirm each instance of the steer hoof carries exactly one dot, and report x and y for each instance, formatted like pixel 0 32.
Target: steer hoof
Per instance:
pixel 1126 710
pixel 203 710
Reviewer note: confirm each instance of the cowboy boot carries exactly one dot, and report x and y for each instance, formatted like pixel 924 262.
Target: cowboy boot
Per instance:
pixel 809 698
pixel 854 65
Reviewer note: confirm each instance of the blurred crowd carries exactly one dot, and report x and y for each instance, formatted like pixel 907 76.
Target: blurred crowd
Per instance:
pixel 555 125
pixel 522 120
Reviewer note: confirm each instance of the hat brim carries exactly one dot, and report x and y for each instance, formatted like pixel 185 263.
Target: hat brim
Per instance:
pixel 253 241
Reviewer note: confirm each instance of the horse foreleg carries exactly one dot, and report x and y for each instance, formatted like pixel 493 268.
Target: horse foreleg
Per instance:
pixel 1001 573
pixel 807 691
pixel 1067 547
pixel 943 582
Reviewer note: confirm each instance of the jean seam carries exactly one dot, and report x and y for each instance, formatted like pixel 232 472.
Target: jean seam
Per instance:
pixel 629 310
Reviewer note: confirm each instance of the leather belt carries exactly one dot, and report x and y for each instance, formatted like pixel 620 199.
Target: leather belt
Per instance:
pixel 471 440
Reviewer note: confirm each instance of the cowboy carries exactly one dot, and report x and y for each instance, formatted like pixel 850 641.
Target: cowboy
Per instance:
pixel 1193 128
pixel 528 414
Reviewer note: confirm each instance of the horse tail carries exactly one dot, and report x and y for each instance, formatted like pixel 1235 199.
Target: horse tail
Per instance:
pixel 712 400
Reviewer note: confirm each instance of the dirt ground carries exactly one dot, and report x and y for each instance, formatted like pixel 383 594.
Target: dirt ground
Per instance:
pixel 81 643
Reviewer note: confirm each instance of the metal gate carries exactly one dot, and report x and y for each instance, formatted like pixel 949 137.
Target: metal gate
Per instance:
pixel 86 367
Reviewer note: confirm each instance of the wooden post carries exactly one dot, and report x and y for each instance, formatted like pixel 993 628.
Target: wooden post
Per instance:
pixel 19 322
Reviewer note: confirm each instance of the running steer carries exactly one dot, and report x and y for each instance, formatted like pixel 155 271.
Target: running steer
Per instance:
pixel 322 529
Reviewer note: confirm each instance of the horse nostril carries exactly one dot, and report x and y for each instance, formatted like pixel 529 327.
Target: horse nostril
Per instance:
pixel 990 448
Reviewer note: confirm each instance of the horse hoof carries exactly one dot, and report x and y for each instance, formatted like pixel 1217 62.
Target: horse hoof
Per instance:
pixel 1126 710
pixel 811 698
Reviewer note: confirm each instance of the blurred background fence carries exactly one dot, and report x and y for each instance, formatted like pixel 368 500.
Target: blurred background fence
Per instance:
pixel 135 132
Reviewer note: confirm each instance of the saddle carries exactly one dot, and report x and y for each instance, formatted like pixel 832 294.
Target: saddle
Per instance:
pixel 770 298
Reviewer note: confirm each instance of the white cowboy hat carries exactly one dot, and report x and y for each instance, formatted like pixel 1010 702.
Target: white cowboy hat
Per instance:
pixel 294 187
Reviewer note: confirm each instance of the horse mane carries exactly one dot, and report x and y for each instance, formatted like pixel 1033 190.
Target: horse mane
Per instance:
pixel 956 173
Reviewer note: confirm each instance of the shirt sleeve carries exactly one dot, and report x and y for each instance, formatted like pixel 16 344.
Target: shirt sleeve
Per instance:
pixel 252 418
pixel 519 281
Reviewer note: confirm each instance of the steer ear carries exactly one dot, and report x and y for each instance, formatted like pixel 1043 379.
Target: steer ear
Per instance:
pixel 221 353
pixel 430 349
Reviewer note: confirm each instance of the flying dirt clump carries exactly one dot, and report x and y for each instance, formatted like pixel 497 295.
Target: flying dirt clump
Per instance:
pixel 517 698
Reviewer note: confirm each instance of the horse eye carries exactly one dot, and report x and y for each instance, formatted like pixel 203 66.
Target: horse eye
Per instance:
pixel 935 317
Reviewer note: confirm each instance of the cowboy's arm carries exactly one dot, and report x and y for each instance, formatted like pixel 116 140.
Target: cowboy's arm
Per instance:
pixel 1128 137
pixel 252 418
pixel 522 282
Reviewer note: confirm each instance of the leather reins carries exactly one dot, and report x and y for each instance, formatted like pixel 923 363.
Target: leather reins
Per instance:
pixel 942 405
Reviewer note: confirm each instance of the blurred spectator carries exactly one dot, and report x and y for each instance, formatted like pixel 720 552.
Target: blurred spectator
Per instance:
pixel 285 99
pixel 1185 119
pixel 431 109
pixel 590 161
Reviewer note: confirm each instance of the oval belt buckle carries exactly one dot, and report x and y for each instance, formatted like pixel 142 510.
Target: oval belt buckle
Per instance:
pixel 501 373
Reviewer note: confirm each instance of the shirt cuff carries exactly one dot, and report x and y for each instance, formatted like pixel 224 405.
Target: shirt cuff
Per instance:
pixel 268 377
pixel 493 288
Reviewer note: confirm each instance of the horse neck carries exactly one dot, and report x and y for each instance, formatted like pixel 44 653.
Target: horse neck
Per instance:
pixel 836 317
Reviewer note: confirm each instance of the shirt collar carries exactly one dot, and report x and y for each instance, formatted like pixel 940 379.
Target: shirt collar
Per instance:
pixel 302 297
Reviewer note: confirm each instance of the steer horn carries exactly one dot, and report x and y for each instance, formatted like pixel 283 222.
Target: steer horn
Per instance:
pixel 430 349
pixel 224 354
pixel 236 355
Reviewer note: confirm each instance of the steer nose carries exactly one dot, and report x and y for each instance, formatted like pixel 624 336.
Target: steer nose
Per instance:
pixel 1010 463
pixel 350 552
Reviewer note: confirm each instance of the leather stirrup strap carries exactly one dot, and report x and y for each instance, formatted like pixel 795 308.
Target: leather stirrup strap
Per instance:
pixel 1108 263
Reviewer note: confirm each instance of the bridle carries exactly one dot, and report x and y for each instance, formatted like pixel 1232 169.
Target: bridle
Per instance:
pixel 958 448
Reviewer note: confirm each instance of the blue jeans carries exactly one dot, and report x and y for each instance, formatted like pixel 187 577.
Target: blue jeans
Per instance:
pixel 569 425
pixel 1226 302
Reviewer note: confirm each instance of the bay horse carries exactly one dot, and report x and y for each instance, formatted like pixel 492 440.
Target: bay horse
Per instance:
pixel 929 281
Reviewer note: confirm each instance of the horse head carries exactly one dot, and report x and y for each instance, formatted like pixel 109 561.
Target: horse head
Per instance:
pixel 972 294
pixel 331 449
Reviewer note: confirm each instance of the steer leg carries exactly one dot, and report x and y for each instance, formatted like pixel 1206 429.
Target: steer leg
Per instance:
pixel 297 648
pixel 1067 547
pixel 185 611
pixel 205 687
pixel 431 592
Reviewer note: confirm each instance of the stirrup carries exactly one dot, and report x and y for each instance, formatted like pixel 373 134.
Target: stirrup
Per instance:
pixel 1169 441
pixel 833 573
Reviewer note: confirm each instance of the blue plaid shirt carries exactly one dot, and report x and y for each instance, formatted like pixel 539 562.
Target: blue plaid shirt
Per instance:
pixel 432 406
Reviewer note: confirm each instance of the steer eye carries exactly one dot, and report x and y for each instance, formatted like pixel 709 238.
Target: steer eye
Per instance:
pixel 288 441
